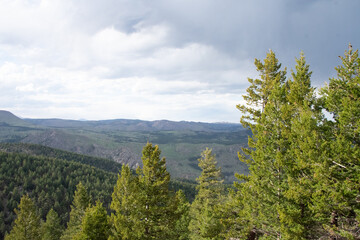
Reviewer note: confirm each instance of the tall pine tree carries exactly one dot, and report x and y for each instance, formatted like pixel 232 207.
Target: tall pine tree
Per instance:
pixel 263 114
pixel 181 231
pixel 144 207
pixel 157 203
pixel 205 220
pixel 80 203
pixel 338 205
pixel 303 154
pixel 126 203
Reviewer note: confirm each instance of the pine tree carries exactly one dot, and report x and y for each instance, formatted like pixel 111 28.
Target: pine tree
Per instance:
pixel 27 222
pixel 144 207
pixel 181 231
pixel 126 204
pixel 95 224
pixel 263 114
pixel 157 204
pixel 205 216
pixel 340 173
pixel 303 168
pixel 259 91
pixel 80 203
pixel 301 94
pixel 52 228
pixel 304 153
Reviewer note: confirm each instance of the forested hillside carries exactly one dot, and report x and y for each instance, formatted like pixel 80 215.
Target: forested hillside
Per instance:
pixel 39 150
pixel 50 176
pixel 49 182
pixel 121 140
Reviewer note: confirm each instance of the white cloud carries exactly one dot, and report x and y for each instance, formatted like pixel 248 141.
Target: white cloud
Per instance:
pixel 179 60
pixel 110 41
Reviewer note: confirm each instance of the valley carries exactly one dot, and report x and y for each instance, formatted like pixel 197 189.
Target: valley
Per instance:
pixel 121 140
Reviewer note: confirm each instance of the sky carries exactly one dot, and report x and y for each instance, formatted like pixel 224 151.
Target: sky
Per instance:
pixel 160 59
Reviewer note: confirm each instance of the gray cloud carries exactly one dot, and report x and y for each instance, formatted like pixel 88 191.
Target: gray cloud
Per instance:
pixel 180 59
pixel 248 29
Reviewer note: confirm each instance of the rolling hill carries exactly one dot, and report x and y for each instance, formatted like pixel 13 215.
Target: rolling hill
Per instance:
pixel 122 140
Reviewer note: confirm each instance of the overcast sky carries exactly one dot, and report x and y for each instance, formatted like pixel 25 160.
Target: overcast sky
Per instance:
pixel 158 59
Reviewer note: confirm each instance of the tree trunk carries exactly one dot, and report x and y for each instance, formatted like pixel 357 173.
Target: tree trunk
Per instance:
pixel 252 234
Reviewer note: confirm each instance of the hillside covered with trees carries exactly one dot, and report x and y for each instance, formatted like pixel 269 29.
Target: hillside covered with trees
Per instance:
pixel 121 140
pixel 303 180
pixel 49 177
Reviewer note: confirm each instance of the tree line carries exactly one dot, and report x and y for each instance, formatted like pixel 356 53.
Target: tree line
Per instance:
pixel 303 180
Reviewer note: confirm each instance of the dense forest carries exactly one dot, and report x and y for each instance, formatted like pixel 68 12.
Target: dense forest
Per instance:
pixel 303 180
pixel 49 182
pixel 49 176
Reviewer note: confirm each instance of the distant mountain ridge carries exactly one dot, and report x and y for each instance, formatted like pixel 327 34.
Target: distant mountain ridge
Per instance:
pixel 120 124
pixel 122 140
pixel 138 125
pixel 9 118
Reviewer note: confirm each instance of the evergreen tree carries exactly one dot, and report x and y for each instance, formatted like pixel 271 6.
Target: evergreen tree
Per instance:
pixel 263 114
pixel 304 153
pixel 80 203
pixel 284 146
pixel 181 231
pixel 52 228
pixel 126 219
pixel 157 204
pixel 340 173
pixel 205 217
pixel 259 91
pixel 144 207
pixel 27 223
pixel 304 172
pixel 236 216
pixel 301 94
pixel 95 224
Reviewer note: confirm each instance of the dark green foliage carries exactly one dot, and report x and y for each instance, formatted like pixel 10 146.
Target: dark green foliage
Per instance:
pixel 188 188
pixel 39 150
pixel 49 182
